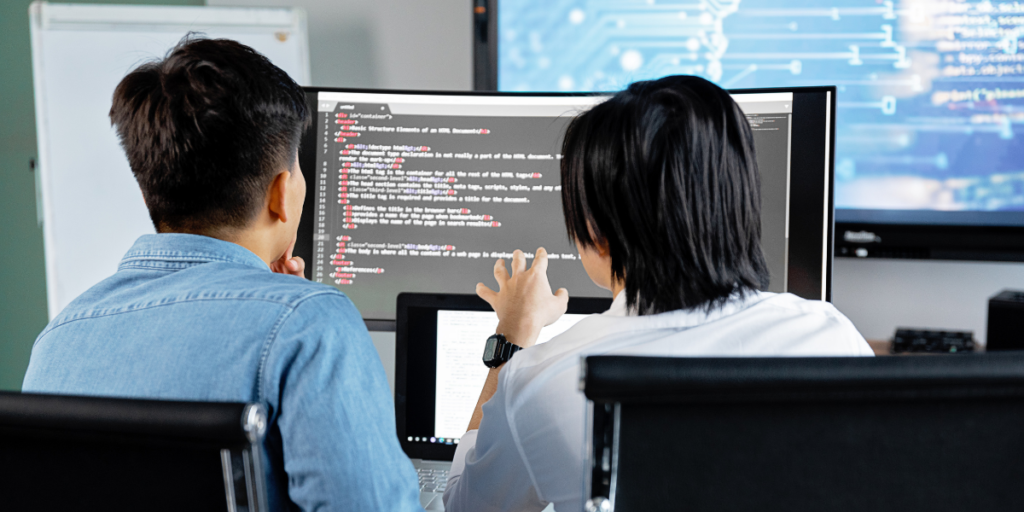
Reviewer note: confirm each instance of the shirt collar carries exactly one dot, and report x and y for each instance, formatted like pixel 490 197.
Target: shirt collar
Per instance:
pixel 172 251
pixel 618 307
pixel 691 317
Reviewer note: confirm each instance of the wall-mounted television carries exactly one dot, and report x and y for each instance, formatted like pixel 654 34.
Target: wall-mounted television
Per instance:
pixel 930 111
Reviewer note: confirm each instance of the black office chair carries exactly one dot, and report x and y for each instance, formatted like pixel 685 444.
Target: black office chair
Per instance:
pixel 936 433
pixel 90 453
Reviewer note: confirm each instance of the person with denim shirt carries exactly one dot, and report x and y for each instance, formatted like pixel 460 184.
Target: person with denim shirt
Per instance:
pixel 214 307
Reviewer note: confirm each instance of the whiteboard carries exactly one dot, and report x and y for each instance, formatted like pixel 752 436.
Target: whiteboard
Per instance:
pixel 90 206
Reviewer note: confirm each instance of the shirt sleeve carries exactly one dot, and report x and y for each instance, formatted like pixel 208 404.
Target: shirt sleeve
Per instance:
pixel 488 473
pixel 467 441
pixel 331 413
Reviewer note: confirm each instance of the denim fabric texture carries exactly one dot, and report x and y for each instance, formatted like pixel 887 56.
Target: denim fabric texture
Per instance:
pixel 189 317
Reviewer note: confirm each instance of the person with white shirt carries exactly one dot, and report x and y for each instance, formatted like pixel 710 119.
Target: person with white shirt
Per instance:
pixel 661 193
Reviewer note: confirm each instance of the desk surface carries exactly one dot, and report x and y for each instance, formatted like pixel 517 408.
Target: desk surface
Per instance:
pixel 881 347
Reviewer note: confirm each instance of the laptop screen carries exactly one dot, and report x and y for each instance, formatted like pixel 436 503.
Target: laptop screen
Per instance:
pixel 460 374
pixel 439 372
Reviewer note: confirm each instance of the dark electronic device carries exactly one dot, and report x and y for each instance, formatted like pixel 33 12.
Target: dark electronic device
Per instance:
pixel 1006 321
pixel 498 350
pixel 417 364
pixel 918 340
pixel 438 375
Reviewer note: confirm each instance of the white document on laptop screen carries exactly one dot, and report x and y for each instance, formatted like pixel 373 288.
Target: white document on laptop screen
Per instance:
pixel 460 370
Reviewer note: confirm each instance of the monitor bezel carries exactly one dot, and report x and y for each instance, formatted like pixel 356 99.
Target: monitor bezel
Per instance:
pixel 894 240
pixel 449 301
pixel 307 161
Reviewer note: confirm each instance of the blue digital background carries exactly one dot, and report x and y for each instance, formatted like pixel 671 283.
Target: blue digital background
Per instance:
pixel 931 92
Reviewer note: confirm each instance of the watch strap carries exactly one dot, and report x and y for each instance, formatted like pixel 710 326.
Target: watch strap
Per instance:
pixel 508 348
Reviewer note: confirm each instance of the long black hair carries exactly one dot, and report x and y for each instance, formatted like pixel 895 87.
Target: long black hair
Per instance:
pixel 664 173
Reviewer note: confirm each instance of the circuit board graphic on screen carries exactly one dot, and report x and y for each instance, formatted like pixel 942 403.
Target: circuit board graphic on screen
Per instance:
pixel 931 92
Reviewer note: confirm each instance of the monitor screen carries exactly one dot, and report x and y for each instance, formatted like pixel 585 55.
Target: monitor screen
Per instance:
pixel 422 192
pixel 930 92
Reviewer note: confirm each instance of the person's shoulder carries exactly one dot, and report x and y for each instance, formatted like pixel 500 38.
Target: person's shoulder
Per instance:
pixel 818 322
pixel 310 302
pixel 314 314
pixel 560 354
pixel 256 284
pixel 788 303
pixel 565 344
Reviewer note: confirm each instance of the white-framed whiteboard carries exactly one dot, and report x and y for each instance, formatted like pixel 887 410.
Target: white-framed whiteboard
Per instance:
pixel 90 206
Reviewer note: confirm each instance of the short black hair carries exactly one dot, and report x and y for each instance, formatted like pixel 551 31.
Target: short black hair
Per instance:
pixel 664 173
pixel 205 130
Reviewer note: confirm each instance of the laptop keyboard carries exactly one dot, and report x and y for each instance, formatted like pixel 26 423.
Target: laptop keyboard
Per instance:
pixel 432 479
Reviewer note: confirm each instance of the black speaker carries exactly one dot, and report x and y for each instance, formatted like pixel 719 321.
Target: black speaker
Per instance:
pixel 1006 321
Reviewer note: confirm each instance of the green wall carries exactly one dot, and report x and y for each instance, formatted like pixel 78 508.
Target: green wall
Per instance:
pixel 22 274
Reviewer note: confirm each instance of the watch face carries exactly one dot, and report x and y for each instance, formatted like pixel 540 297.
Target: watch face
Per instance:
pixel 489 347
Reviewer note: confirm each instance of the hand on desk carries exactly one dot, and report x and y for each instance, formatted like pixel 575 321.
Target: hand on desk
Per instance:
pixel 524 302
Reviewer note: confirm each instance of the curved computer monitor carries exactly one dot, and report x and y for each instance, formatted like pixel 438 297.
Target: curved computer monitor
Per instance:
pixel 423 191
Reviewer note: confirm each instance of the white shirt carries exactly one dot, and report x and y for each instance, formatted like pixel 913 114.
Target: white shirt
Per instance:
pixel 530 450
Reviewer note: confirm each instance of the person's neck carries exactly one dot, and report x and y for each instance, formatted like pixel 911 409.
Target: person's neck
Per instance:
pixel 617 285
pixel 259 239
pixel 617 288
pixel 262 244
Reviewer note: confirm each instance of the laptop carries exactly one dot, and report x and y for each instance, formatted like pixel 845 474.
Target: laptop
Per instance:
pixel 439 372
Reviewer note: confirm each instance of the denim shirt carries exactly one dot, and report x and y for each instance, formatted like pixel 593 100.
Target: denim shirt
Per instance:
pixel 189 317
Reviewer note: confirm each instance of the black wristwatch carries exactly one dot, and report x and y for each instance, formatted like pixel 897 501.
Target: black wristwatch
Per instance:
pixel 498 350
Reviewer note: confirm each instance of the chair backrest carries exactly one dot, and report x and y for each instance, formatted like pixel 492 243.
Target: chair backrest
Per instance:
pixel 936 433
pixel 92 453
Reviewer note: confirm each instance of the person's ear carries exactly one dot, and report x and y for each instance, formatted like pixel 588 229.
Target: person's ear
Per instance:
pixel 602 247
pixel 600 244
pixel 277 196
